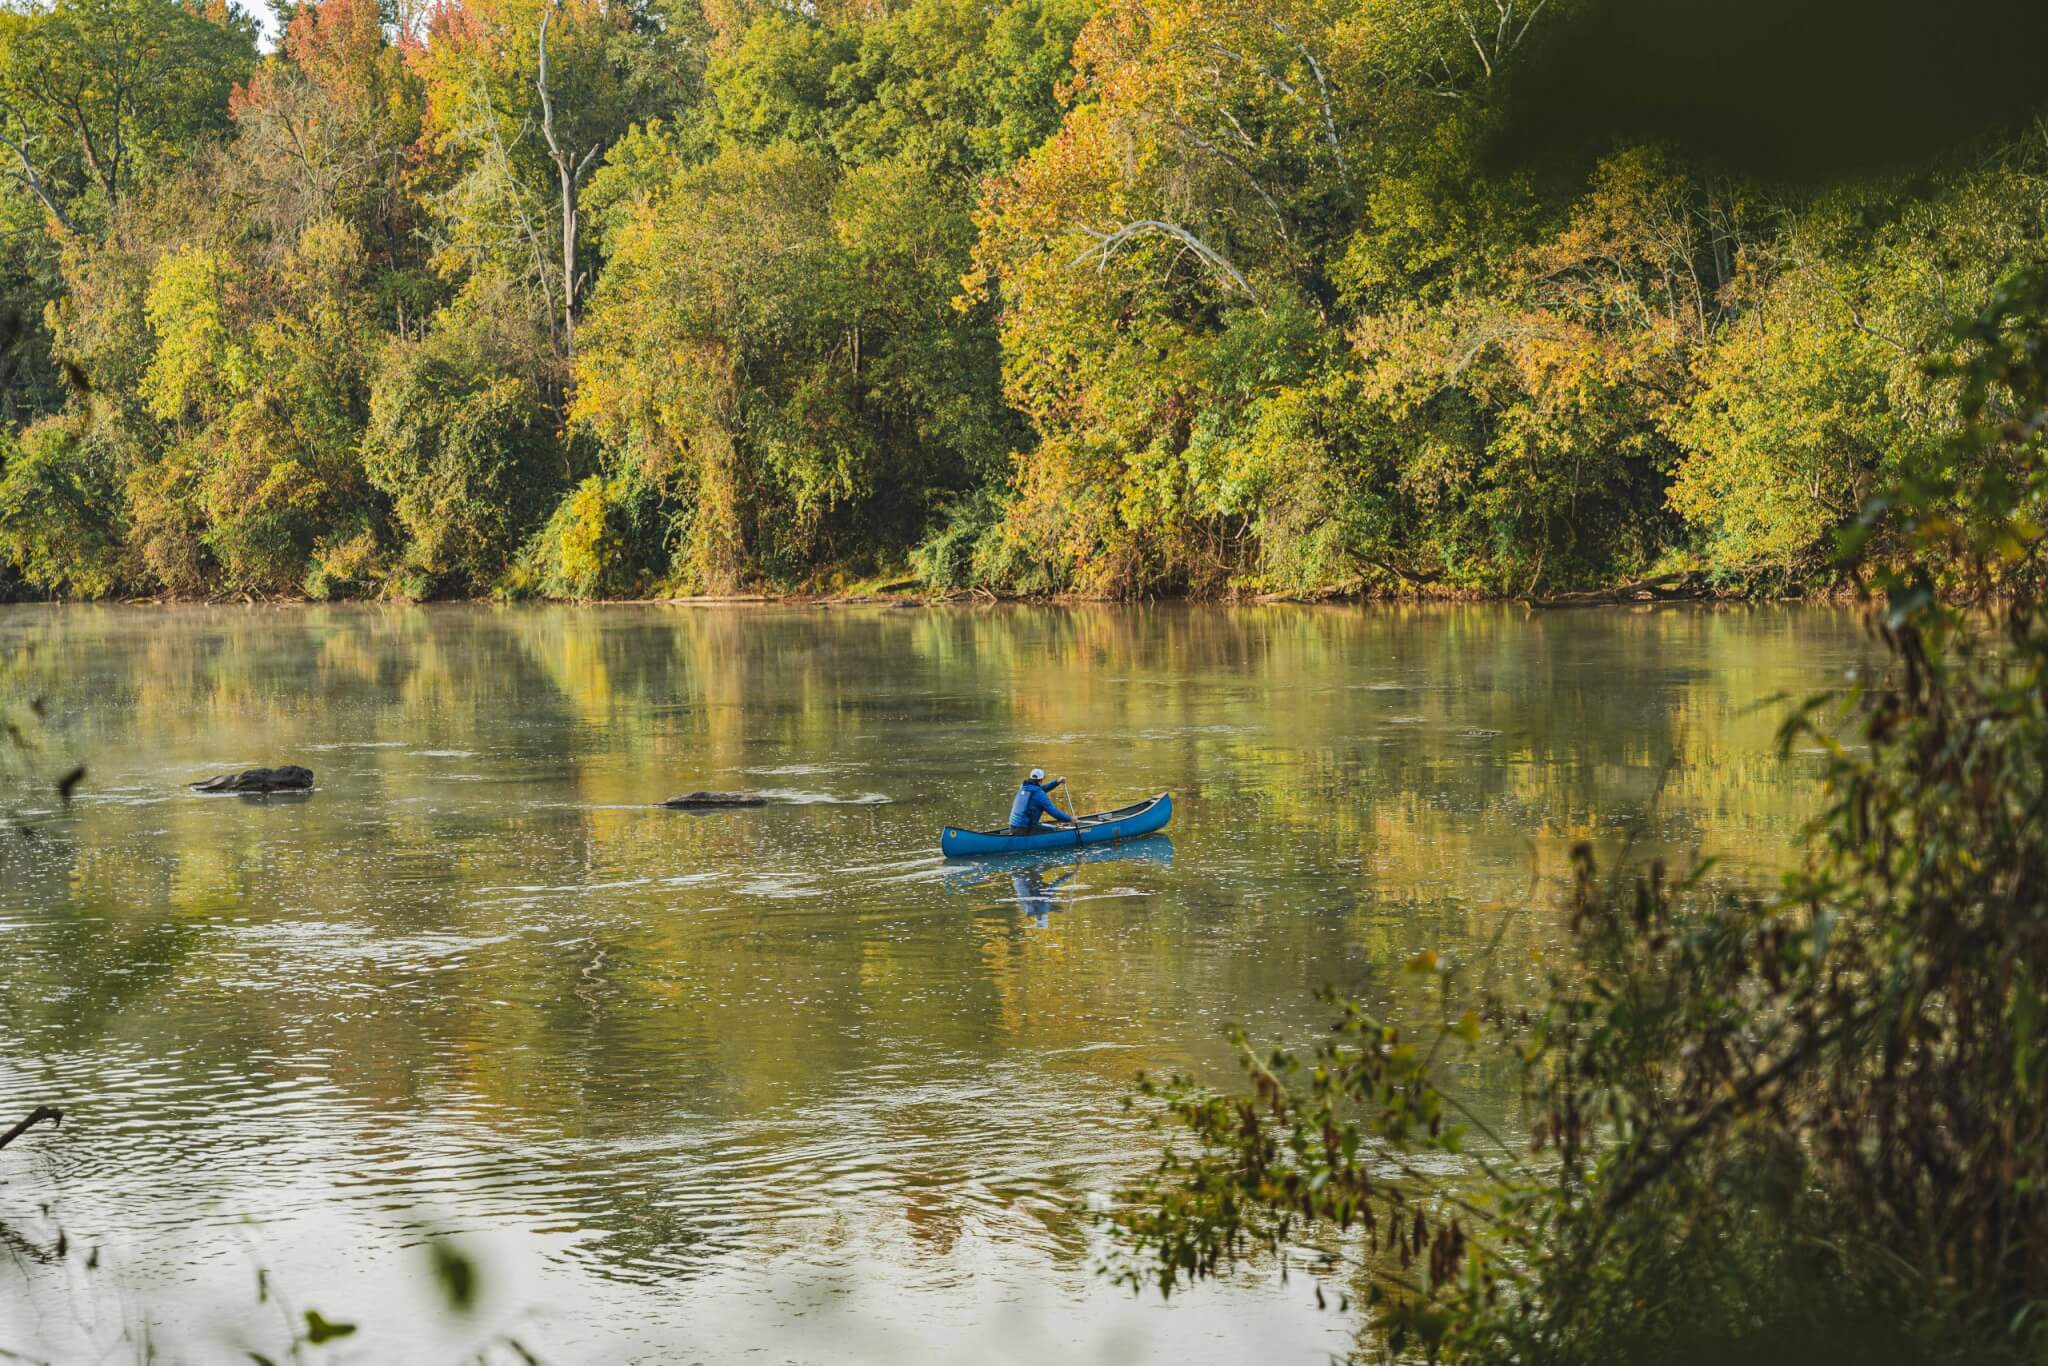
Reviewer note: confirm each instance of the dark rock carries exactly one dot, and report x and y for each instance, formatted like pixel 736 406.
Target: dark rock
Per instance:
pixel 290 778
pixel 699 799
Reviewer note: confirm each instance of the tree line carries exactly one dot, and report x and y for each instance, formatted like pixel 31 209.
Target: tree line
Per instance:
pixel 602 298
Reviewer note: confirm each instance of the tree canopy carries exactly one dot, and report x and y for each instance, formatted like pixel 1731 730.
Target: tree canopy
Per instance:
pixel 1122 297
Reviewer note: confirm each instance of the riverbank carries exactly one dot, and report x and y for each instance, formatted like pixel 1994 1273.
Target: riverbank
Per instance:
pixel 1682 586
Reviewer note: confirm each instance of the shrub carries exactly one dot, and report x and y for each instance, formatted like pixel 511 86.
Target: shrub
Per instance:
pixel 606 539
pixel 60 511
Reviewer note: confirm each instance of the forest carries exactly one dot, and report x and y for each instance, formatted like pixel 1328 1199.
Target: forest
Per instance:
pixel 630 298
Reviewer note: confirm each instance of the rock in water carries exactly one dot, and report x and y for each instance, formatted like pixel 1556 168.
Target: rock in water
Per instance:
pixel 717 799
pixel 290 778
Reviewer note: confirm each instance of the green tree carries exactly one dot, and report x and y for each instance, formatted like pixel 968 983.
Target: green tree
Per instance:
pixel 60 513
pixel 461 440
pixel 96 95
pixel 777 348
pixel 264 405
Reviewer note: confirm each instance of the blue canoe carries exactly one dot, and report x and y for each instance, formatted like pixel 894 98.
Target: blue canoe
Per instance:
pixel 969 875
pixel 1126 822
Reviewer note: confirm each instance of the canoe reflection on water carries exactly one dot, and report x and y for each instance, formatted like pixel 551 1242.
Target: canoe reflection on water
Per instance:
pixel 1042 883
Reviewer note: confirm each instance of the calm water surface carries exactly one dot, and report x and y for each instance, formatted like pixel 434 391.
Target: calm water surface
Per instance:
pixel 774 1085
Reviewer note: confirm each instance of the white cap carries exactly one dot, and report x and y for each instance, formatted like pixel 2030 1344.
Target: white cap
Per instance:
pixel 1037 775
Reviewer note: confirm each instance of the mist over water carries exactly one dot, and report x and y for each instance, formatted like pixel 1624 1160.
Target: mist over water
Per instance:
pixel 780 1080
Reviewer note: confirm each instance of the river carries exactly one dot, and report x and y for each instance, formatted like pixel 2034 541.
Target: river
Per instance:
pixel 771 1085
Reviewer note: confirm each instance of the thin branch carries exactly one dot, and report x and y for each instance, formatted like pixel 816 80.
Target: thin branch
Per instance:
pixel 502 165
pixel 1329 119
pixel 1323 94
pixel 1654 1165
pixel 1196 138
pixel 1511 330
pixel 1472 32
pixel 1106 244
pixel 1523 32
pixel 1856 316
pixel 28 175
pixel 1235 126
pixel 28 178
pixel 1263 70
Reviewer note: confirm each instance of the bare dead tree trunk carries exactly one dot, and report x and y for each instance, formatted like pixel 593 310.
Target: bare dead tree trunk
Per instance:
pixel 569 171
pixel 568 192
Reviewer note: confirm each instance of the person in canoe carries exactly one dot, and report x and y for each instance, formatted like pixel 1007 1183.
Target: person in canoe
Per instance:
pixel 1032 802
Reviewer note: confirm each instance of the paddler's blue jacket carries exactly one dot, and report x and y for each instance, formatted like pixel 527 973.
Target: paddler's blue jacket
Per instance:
pixel 1031 803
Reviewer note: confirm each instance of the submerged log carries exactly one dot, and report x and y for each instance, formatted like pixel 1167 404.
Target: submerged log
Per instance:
pixel 290 778
pixel 706 799
pixel 35 1117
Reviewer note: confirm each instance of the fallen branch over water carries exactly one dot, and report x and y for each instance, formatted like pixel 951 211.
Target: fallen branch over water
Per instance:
pixel 1328 592
pixel 1353 586
pixel 1661 588
pixel 35 1117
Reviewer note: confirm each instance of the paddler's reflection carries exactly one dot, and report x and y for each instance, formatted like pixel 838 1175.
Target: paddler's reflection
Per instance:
pixel 1035 892
pixel 1041 885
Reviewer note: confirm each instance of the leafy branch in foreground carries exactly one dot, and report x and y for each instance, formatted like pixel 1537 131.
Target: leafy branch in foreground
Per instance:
pixel 1811 1116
